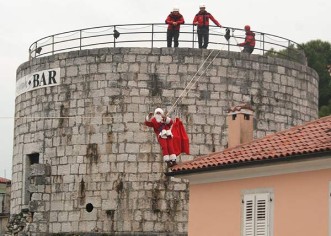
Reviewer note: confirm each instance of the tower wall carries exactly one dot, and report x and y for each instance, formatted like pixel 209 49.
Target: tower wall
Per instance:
pixel 102 154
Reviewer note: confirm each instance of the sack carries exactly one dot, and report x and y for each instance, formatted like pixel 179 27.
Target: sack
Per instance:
pixel 181 141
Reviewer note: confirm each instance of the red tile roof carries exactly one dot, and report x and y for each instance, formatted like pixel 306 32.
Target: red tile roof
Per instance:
pixel 310 138
pixel 3 180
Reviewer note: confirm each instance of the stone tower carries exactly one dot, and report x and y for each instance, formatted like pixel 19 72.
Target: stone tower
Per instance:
pixel 84 161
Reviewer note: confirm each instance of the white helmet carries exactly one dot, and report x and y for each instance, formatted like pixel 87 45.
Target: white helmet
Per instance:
pixel 176 8
pixel 158 110
pixel 202 5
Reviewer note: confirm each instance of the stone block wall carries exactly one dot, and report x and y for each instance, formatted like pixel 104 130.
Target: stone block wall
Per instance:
pixel 100 168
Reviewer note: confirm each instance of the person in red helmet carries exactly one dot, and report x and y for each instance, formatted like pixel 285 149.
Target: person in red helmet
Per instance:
pixel 201 19
pixel 174 20
pixel 249 43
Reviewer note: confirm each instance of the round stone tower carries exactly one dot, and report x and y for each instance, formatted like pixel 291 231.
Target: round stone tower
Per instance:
pixel 84 161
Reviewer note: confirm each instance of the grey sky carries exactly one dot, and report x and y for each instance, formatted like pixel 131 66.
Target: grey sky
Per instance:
pixel 24 21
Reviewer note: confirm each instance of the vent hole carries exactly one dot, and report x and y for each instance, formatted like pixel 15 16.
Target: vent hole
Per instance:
pixel 89 207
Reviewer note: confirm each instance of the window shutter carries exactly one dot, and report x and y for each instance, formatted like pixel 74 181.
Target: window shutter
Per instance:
pixel 256 214
pixel 262 215
pixel 249 216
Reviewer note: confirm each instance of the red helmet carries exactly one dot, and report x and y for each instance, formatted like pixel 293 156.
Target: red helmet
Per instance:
pixel 247 28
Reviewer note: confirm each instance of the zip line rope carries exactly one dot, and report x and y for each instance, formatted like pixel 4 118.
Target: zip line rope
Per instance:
pixel 175 103
pixel 189 84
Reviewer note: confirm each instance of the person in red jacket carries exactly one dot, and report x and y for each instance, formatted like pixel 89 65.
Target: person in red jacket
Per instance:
pixel 162 128
pixel 249 43
pixel 174 20
pixel 202 21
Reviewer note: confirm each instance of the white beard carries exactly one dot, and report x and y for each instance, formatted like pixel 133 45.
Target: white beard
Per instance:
pixel 158 118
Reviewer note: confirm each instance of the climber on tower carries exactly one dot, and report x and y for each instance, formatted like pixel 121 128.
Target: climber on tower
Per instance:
pixel 249 42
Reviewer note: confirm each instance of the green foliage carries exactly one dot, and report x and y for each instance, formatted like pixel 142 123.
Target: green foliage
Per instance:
pixel 318 54
pixel 291 53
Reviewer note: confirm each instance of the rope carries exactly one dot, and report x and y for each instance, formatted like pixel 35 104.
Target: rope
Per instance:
pixel 203 72
pixel 180 96
pixel 235 39
pixel 172 107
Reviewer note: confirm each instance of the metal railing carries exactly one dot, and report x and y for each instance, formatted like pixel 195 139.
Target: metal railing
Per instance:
pixel 154 35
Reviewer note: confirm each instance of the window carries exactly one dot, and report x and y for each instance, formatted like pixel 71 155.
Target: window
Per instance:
pixel 2 202
pixel 256 214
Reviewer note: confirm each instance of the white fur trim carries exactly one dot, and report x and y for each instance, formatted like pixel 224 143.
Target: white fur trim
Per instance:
pixel 158 118
pixel 169 133
pixel 168 120
pixel 163 134
pixel 173 157
pixel 158 110
pixel 166 158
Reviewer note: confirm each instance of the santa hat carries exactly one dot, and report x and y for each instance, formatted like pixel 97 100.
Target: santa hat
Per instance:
pixel 158 110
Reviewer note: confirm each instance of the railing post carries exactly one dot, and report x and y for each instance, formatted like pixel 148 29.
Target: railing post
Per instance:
pixel 228 44
pixel 193 37
pixel 80 40
pixel 35 51
pixel 152 35
pixel 52 44
pixel 114 37
pixel 263 44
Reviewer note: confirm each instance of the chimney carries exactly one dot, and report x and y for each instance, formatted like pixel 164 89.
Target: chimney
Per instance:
pixel 240 125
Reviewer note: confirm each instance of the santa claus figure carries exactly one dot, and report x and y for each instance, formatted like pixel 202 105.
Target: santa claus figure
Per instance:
pixel 162 128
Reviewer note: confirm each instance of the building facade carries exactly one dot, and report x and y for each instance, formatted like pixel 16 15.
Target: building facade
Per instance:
pixel 276 185
pixel 5 185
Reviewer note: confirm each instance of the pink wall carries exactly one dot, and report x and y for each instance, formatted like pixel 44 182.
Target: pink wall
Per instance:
pixel 300 205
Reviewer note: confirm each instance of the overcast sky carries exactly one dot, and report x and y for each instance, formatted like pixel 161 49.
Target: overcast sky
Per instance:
pixel 24 21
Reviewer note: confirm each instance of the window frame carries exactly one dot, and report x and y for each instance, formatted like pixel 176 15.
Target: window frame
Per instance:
pixel 258 194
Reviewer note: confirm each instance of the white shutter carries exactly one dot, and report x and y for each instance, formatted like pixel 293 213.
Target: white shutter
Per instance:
pixel 262 214
pixel 249 215
pixel 256 214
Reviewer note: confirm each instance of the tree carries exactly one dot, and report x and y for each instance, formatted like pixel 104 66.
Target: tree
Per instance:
pixel 318 55
pixel 291 53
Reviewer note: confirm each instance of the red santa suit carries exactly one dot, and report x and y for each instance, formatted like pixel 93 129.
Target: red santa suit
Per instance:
pixel 162 128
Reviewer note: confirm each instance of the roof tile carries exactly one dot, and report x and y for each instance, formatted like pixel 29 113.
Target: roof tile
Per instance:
pixel 3 180
pixel 311 137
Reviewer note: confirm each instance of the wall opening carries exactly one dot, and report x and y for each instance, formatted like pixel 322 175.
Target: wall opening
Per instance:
pixel 89 207
pixel 30 160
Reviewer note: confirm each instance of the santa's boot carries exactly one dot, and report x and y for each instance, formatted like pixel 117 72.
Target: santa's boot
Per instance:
pixel 173 159
pixel 166 159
